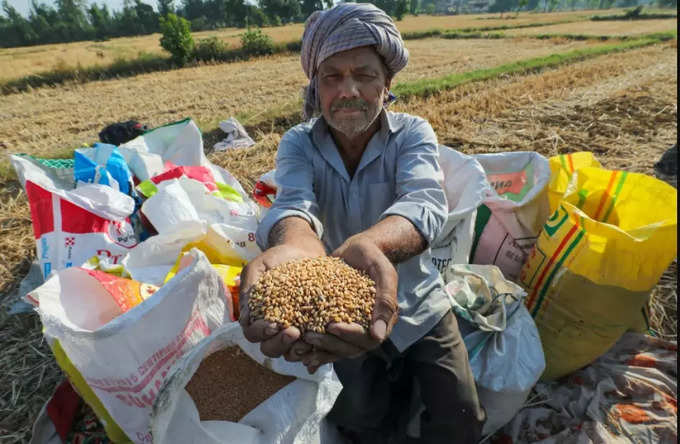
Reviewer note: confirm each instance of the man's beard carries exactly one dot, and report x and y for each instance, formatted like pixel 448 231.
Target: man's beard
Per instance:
pixel 353 126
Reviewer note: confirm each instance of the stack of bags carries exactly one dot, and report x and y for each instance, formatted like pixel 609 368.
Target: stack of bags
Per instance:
pixel 141 246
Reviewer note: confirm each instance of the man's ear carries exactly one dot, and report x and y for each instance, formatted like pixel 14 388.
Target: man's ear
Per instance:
pixel 388 83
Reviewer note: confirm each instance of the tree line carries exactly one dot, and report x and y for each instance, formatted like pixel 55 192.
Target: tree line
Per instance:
pixel 77 20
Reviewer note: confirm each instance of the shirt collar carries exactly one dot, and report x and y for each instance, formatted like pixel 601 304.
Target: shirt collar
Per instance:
pixel 321 136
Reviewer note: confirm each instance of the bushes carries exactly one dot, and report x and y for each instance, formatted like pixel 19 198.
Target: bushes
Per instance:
pixel 255 42
pixel 210 48
pixel 177 38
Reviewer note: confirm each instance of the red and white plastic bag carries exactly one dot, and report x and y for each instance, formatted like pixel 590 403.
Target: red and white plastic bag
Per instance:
pixel 72 225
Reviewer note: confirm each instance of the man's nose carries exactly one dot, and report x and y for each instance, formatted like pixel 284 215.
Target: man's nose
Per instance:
pixel 348 87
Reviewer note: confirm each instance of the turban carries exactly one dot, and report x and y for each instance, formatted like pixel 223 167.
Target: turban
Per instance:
pixel 344 27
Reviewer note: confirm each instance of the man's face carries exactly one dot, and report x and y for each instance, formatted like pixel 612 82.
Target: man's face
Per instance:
pixel 352 89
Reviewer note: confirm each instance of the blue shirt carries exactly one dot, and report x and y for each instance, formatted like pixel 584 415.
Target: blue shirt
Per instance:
pixel 399 174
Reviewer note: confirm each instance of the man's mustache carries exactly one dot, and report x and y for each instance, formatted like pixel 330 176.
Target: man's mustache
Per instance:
pixel 351 104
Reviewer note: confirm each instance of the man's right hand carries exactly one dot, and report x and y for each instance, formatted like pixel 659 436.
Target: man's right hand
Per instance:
pixel 274 341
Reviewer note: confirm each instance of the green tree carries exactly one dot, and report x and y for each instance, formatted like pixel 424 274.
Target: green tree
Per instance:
pixel 503 6
pixel 176 38
pixel 309 6
pixel 19 30
pixel 165 7
pixel 522 4
pixel 401 8
pixel 42 19
pixel 101 20
pixel 286 10
pixel 147 19
pixel 552 5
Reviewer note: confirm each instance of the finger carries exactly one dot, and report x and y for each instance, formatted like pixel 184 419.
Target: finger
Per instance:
pixel 354 334
pixel 280 343
pixel 332 344
pixel 244 316
pixel 260 330
pixel 298 351
pixel 386 309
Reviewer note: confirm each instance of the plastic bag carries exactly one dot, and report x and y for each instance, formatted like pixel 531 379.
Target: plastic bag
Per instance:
pixel 199 173
pixel 294 414
pixel 155 257
pixel 264 191
pixel 465 186
pixel 179 143
pixel 184 200
pixel 118 361
pixel 237 136
pixel 629 395
pixel 503 345
pixel 596 261
pixel 103 164
pixel 561 169
pixel 513 212
pixel 72 225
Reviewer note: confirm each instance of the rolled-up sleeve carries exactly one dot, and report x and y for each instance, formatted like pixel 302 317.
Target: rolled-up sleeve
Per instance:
pixel 419 189
pixel 295 188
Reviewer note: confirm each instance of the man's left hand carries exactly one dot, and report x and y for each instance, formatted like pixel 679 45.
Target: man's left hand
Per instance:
pixel 344 340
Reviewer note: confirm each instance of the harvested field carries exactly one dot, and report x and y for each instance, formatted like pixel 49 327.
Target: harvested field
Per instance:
pixel 23 61
pixel 514 114
pixel 609 28
pixel 50 120
pixel 622 106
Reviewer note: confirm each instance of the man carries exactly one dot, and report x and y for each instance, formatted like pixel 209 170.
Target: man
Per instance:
pixel 364 184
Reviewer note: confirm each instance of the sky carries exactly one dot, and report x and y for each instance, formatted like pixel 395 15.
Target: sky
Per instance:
pixel 23 6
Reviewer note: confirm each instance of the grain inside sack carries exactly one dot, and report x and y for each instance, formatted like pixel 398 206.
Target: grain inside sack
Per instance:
pixel 311 293
pixel 228 384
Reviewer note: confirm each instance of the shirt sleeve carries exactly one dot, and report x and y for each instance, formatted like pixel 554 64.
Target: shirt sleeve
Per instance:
pixel 295 193
pixel 419 181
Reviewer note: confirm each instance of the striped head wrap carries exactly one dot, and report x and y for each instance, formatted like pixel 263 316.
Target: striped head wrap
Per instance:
pixel 343 27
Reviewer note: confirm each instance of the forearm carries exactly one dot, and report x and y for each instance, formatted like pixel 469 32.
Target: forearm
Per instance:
pixel 396 237
pixel 296 231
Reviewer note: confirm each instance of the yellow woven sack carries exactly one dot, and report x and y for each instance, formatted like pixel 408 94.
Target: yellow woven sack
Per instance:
pixel 561 169
pixel 595 263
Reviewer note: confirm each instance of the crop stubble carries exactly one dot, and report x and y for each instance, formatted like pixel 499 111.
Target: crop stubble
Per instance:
pixel 23 61
pixel 54 119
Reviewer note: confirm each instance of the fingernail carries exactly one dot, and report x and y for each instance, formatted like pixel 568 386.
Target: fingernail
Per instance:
pixel 271 329
pixel 314 363
pixel 380 329
pixel 288 339
pixel 299 352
